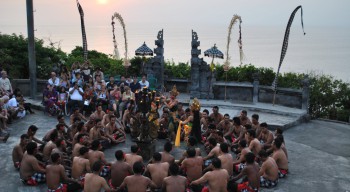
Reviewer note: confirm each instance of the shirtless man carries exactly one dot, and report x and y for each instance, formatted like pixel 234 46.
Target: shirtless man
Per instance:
pixel 215 149
pixel 191 143
pixel 95 132
pixel 60 129
pixel 82 141
pixel 107 117
pixel 175 182
pixel 61 147
pixel 251 171
pixel 31 134
pixel 137 182
pixel 95 183
pixel 266 136
pixel 244 118
pixel 239 164
pixel 254 144
pixel 81 129
pixel 119 170
pixel 238 132
pixel 216 116
pixel 31 173
pixel 55 173
pixel 216 179
pixel 166 156
pixel 81 164
pixel 192 165
pixel 18 151
pixel 226 127
pixel 99 113
pixel 113 132
pixel 205 120
pixel 90 123
pixel 269 170
pixel 256 124
pixel 133 156
pixel 226 158
pixel 158 171
pixel 50 146
pixel 76 114
pixel 96 155
pixel 280 157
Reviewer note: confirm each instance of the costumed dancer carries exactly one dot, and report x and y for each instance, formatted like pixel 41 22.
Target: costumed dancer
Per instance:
pixel 193 127
pixel 172 105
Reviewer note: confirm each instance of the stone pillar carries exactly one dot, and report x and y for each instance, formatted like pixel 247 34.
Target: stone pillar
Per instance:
pixel 305 98
pixel 255 87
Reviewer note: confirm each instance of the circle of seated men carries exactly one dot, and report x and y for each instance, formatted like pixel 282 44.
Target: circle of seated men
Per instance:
pixel 241 154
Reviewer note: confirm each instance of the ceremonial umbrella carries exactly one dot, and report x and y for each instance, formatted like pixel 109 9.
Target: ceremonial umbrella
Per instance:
pixel 144 51
pixel 213 52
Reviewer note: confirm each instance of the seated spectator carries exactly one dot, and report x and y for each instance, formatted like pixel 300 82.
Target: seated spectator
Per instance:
pixel 98 72
pixel 144 82
pixel 3 112
pixel 110 85
pixel 88 97
pixel 75 69
pixel 5 84
pixel 122 83
pixel 99 83
pixel 135 85
pixel 86 71
pixel 102 97
pixel 127 96
pixel 76 97
pixel 116 96
pixel 55 81
pixel 50 100
pixel 27 106
pixel 15 109
pixel 78 79
pixel 128 80
pixel 64 81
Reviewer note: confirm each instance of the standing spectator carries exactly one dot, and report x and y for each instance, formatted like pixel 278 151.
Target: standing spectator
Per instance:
pixel 144 82
pixel 5 84
pixel 135 85
pixel 98 72
pixel 55 81
pixel 76 95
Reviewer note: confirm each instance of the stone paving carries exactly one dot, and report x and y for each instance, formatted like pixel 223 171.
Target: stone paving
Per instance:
pixel 319 155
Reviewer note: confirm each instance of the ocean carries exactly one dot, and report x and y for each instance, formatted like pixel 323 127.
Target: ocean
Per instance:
pixel 323 50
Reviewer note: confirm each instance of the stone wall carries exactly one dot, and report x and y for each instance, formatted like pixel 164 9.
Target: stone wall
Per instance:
pixel 286 97
pixel 234 91
pixel 24 85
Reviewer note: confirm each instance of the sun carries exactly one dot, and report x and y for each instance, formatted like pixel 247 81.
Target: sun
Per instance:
pixel 102 2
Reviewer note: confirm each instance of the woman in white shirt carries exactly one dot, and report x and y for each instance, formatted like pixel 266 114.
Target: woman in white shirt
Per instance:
pixel 127 96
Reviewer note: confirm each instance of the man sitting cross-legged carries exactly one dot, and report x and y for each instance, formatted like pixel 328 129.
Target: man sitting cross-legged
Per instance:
pixel 251 171
pixel 239 164
pixel 96 155
pixel 31 172
pixel 55 173
pixel 119 170
pixel 81 165
pixel 192 166
pixel 94 182
pixel 216 179
pixel 133 156
pixel 268 171
pixel 226 159
pixel 18 151
pixel 158 170
pixel 166 156
pixel 280 158
pixel 174 182
pixel 137 182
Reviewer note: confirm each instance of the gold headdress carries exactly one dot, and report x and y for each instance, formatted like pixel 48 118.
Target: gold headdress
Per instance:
pixel 195 106
pixel 174 91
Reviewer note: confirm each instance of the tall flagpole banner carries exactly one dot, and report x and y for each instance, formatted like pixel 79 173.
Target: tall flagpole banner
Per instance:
pixel 285 46
pixel 83 33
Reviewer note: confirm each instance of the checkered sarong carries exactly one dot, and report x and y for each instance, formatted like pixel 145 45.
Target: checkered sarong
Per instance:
pixel 39 177
pixel 240 167
pixel 267 183
pixel 105 171
pixel 61 188
pixel 282 173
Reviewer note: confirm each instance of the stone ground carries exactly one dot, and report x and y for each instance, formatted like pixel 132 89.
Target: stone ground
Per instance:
pixel 319 155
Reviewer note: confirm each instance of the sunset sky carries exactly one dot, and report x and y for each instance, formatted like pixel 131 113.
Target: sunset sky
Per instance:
pixel 254 12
